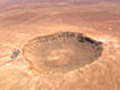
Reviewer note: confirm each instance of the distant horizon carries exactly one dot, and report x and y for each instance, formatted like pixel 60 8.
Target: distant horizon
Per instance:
pixel 3 2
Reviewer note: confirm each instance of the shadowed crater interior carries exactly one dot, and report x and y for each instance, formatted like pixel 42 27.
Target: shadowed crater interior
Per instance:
pixel 61 52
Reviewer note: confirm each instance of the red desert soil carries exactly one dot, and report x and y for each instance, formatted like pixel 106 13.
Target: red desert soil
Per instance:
pixel 19 24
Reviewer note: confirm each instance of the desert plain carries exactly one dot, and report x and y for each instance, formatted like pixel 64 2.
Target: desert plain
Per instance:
pixel 20 23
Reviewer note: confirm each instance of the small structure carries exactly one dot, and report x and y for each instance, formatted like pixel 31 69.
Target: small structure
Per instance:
pixel 16 52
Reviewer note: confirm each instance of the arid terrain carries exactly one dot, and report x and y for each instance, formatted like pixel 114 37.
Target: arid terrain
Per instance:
pixel 20 23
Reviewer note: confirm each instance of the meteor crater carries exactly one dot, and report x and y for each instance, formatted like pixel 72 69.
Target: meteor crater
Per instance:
pixel 61 52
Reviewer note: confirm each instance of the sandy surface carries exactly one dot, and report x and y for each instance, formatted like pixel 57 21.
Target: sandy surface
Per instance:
pixel 21 23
